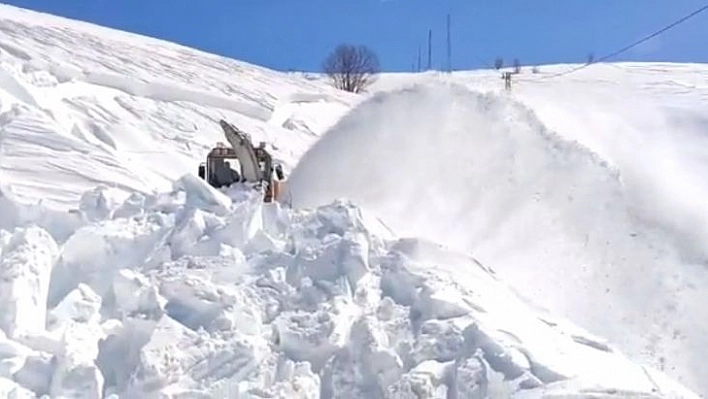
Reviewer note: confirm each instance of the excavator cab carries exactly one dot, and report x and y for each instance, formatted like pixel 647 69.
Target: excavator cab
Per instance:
pixel 242 163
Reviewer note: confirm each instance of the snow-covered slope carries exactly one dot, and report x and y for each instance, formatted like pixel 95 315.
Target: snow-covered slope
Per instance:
pixel 122 273
pixel 82 105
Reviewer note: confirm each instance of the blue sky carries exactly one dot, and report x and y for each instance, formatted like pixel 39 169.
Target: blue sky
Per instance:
pixel 298 34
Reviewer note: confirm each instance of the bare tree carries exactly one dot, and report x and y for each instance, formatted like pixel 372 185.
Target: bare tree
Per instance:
pixel 351 68
pixel 498 63
pixel 517 66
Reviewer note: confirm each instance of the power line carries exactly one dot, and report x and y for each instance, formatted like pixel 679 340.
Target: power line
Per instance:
pixel 635 44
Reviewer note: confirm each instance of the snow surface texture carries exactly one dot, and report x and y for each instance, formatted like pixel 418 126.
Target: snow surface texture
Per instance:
pixel 82 105
pixel 144 282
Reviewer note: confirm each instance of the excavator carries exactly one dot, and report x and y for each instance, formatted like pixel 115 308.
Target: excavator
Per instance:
pixel 254 165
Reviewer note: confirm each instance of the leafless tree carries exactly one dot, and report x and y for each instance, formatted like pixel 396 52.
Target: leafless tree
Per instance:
pixel 517 66
pixel 498 63
pixel 351 68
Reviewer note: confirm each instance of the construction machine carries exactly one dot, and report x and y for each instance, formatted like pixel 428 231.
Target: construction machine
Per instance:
pixel 253 165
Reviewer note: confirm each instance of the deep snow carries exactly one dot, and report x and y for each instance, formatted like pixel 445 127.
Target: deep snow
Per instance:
pixel 576 221
pixel 122 273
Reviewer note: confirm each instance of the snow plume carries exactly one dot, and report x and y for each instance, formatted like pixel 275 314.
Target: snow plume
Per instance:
pixel 211 293
pixel 482 174
pixel 653 134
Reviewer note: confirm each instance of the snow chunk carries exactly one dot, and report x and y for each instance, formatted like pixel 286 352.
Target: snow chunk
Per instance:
pixel 77 374
pixel 201 195
pixel 5 237
pixel 12 356
pixel 135 295
pixel 10 389
pixel 371 361
pixel 119 352
pixel 178 357
pixel 25 268
pixel 289 379
pixel 96 252
pixel 469 379
pixel 133 206
pixel 342 256
pixel 187 233
pixel 427 380
pixel 36 373
pixel 81 305
pixel 101 202
pixel 195 300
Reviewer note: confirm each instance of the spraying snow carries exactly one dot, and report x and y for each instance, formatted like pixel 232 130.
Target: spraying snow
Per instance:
pixel 481 173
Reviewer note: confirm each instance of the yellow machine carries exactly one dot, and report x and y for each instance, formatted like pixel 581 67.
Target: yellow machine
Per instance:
pixel 252 165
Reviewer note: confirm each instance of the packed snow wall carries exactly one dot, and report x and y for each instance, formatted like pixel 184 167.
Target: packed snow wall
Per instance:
pixel 481 173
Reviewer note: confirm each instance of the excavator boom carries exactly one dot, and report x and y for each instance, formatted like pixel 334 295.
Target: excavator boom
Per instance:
pixel 244 150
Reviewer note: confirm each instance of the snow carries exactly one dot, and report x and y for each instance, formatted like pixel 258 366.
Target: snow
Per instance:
pixel 443 239
pixel 573 222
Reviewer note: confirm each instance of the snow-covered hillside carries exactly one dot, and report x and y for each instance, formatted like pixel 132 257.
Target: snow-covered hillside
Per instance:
pixel 123 275
pixel 83 105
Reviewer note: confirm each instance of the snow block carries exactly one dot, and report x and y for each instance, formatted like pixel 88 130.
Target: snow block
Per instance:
pixel 187 233
pixel 291 380
pixel 12 356
pixel 202 196
pixel 101 202
pixel 379 361
pixel 135 295
pixel 25 269
pixel 36 373
pixel 437 340
pixel 502 359
pixel 81 305
pixel 133 206
pixel 469 380
pixel 10 389
pixel 340 257
pixel 96 252
pixel 5 237
pixel 77 374
pixel 427 380
pixel 177 354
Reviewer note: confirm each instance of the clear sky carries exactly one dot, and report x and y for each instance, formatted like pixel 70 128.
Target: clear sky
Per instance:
pixel 298 34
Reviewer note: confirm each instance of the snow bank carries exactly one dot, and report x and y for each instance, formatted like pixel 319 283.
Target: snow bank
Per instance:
pixel 318 303
pixel 480 173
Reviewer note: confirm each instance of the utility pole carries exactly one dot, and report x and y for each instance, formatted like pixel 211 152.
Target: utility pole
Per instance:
pixel 430 49
pixel 419 57
pixel 449 46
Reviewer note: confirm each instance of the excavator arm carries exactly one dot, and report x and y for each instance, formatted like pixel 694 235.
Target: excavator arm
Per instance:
pixel 244 150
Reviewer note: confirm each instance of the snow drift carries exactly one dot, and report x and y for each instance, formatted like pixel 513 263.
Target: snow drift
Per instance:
pixel 481 173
